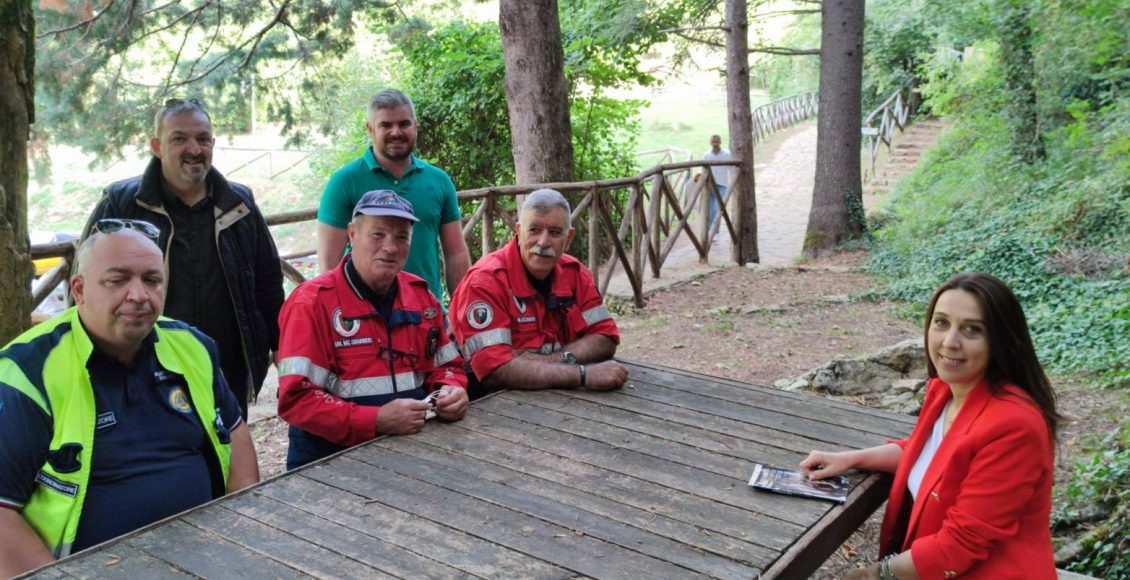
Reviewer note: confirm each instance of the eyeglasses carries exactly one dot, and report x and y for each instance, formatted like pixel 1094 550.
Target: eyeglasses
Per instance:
pixel 170 103
pixel 114 225
pixel 392 354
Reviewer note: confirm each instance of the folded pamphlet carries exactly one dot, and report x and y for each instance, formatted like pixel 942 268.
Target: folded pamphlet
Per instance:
pixel 776 480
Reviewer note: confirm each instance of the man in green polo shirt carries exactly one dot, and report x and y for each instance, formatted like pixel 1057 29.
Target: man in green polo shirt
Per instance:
pixel 390 164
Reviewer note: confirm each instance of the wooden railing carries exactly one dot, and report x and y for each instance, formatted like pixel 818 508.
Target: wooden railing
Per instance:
pixel 633 223
pixel 892 115
pixel 782 114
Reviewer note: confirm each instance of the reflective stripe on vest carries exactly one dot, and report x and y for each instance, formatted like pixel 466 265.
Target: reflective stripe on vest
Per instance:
pixel 485 339
pixel 350 388
pixel 55 506
pixel 596 314
pixel 445 354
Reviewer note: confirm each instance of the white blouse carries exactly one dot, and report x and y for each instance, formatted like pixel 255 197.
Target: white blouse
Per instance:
pixel 914 480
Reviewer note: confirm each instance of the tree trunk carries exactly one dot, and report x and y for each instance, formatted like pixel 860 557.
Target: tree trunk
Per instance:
pixel 837 197
pixel 1019 74
pixel 744 248
pixel 536 95
pixel 17 112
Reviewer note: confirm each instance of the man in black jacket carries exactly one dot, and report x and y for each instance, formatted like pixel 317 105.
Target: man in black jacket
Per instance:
pixel 224 272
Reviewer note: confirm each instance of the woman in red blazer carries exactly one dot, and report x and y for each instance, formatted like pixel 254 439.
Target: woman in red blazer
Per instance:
pixel 972 488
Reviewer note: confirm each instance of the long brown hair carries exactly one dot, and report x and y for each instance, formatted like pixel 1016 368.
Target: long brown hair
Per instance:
pixel 1012 357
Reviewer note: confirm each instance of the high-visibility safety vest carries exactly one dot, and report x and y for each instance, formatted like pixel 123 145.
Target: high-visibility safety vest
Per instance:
pixel 48 364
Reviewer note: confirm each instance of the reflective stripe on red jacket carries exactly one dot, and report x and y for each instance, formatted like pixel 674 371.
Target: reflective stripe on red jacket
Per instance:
pixel 338 362
pixel 496 311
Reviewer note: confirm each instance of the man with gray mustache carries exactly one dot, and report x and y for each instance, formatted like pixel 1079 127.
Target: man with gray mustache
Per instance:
pixel 529 316
pixel 224 272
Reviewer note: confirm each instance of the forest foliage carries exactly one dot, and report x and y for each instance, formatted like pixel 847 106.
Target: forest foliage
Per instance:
pixel 1056 229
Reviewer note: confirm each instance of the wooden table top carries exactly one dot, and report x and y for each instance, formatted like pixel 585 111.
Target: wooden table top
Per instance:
pixel 645 482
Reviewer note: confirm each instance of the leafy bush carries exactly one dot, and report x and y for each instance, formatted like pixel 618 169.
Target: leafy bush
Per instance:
pixel 455 75
pixel 1056 231
pixel 1105 479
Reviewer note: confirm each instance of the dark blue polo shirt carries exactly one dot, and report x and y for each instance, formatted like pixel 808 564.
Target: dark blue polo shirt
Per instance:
pixel 152 457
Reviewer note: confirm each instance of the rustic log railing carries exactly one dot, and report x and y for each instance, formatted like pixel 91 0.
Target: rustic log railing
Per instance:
pixel 782 114
pixel 633 223
pixel 892 115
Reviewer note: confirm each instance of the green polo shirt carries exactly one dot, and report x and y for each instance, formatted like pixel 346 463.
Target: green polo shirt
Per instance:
pixel 427 187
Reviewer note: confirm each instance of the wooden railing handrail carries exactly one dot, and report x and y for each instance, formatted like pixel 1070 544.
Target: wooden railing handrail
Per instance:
pixel 783 113
pixel 617 183
pixel 892 115
pixel 655 218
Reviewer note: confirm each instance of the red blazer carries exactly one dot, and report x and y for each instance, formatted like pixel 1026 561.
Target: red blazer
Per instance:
pixel 984 506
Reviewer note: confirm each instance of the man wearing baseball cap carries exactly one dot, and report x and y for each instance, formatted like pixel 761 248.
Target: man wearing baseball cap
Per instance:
pixel 362 346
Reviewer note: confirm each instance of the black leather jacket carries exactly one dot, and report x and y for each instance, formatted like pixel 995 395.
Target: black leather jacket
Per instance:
pixel 247 253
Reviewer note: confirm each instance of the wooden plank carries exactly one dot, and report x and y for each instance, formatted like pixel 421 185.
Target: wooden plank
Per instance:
pixel 675 475
pixel 695 536
pixel 291 272
pixel 398 561
pixel 551 543
pixel 410 534
pixel 683 225
pixel 805 426
pixel 668 448
pixel 119 560
pixel 638 232
pixel 654 227
pixel 49 281
pixel 594 247
pixel 286 547
pixel 553 511
pixel 49 572
pixel 769 399
pixel 474 219
pixel 885 425
pixel 710 516
pixel 753 433
pixel 637 290
pixel 207 554
pixel 805 398
pixel 814 547
pixel 699 437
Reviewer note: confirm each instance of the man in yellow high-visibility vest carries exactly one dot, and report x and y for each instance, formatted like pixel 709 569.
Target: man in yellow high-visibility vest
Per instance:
pixel 111 417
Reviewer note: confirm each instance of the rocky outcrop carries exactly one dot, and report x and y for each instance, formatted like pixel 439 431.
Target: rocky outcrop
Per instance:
pixel 897 373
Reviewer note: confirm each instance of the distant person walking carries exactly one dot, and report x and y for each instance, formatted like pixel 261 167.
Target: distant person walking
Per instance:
pixel 224 272
pixel 721 173
pixel 390 165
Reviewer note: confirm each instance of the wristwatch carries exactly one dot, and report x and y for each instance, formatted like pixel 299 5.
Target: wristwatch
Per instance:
pixel 569 358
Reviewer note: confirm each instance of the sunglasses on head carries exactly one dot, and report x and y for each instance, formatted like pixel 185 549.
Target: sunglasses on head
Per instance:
pixel 113 225
pixel 170 103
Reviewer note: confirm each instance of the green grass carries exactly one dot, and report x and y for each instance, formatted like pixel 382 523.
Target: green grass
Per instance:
pixel 686 119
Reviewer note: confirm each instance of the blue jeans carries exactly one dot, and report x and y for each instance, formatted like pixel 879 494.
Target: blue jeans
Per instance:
pixel 714 202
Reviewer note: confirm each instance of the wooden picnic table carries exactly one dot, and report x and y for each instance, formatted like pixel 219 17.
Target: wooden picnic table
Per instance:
pixel 645 482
